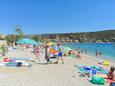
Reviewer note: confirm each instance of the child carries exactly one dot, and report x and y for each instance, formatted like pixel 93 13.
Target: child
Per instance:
pixel 37 53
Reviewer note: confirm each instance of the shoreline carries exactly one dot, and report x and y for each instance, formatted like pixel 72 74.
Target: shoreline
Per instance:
pixel 107 52
pixel 100 58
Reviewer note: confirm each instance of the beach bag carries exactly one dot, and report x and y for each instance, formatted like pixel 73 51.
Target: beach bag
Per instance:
pixel 6 59
pixel 98 80
pixel 107 63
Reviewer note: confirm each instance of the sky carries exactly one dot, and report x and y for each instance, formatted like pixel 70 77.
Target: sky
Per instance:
pixel 56 16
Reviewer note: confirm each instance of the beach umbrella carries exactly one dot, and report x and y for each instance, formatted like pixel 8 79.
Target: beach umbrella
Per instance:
pixel 52 51
pixel 27 41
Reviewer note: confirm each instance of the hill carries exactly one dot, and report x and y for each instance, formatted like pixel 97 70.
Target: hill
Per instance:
pixel 98 36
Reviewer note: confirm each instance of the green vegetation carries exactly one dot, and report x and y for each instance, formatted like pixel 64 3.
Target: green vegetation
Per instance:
pixel 98 36
pixel 4 49
pixel 12 38
pixel 18 33
pixel 90 37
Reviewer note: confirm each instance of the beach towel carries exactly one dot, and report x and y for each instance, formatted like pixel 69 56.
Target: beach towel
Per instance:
pixel 102 75
pixel 13 64
pixel 93 72
pixel 2 64
pixel 100 70
pixel 20 58
pixel 24 63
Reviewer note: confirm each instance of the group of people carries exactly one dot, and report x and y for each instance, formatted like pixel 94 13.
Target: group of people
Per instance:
pixel 48 53
pixel 77 53
pixel 58 55
pixel 98 53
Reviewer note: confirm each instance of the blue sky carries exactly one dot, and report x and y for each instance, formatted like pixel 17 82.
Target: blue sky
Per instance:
pixel 57 16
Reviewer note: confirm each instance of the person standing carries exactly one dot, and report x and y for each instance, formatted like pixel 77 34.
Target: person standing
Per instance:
pixel 60 54
pixel 100 54
pixel 37 53
pixel 47 53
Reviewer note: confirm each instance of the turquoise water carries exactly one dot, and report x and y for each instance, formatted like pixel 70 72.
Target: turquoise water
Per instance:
pixel 107 49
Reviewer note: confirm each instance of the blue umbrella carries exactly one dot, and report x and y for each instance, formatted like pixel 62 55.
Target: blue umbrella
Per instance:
pixel 27 41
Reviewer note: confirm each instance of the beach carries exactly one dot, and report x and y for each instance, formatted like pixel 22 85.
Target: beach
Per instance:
pixel 41 74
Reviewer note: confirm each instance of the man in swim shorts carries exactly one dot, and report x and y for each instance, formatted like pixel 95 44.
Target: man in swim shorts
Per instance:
pixel 60 54
pixel 47 53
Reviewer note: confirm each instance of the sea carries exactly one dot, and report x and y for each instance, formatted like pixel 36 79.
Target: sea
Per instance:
pixel 107 49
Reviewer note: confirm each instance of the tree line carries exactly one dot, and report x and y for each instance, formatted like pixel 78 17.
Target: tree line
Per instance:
pixel 90 37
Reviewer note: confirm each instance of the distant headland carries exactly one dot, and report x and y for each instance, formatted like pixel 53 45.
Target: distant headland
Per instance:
pixel 89 37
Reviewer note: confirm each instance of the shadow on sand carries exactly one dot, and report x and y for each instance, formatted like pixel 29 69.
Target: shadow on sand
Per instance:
pixel 44 63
